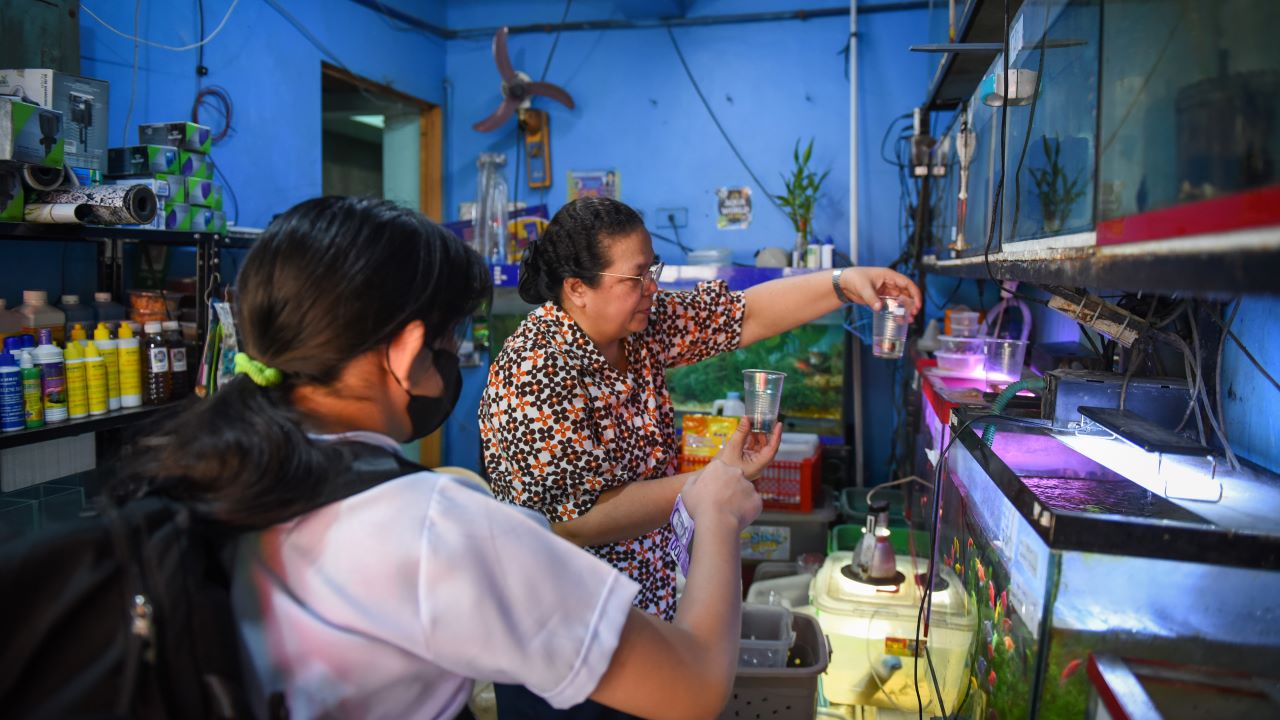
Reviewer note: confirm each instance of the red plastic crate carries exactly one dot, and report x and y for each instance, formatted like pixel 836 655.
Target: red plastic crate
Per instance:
pixel 784 484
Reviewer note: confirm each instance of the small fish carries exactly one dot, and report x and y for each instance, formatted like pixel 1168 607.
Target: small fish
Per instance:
pixel 1008 625
pixel 959 570
pixel 982 575
pixel 1008 644
pixel 991 651
pixel 981 665
pixel 991 679
pixel 1004 598
pixel 970 543
pixel 991 593
pixel 1068 671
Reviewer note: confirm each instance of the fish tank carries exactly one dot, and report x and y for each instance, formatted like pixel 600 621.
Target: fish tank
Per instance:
pixel 1064 558
pixel 1190 106
pixel 1052 119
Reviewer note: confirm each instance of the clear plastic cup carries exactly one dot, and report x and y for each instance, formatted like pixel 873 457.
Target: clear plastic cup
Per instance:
pixel 763 397
pixel 889 329
pixel 1004 359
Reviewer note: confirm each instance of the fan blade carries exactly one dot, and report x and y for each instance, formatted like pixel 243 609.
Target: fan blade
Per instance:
pixel 499 116
pixel 500 56
pixel 555 92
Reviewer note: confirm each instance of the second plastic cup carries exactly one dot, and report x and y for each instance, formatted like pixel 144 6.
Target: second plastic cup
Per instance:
pixel 763 397
pixel 1005 358
pixel 889 329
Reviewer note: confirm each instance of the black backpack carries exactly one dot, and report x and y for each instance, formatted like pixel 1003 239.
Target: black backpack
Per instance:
pixel 127 613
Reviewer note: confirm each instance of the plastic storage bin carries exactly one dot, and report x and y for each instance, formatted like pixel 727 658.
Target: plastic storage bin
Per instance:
pixel 766 636
pixel 784 535
pixel 784 485
pixel 784 693
pixel 789 591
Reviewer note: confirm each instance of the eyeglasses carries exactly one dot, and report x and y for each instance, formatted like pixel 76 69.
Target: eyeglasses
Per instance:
pixel 653 273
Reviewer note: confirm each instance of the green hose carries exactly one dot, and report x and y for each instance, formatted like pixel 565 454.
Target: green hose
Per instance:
pixel 1002 401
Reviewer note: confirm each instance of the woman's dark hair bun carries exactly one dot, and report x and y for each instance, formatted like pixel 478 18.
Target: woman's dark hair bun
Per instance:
pixel 573 246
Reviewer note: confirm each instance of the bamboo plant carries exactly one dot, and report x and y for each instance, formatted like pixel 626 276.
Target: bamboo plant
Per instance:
pixel 802 188
pixel 1058 193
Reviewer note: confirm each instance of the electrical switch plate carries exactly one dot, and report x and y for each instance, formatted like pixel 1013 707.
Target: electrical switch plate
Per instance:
pixel 671 217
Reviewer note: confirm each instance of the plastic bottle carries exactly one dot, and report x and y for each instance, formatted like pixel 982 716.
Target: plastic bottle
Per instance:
pixel 828 253
pixel 157 381
pixel 106 311
pixel 28 341
pixel 110 351
pixel 77 383
pixel 53 377
pixel 12 416
pixel 38 314
pixel 178 372
pixel 731 405
pixel 77 335
pixel 77 314
pixel 130 368
pixel 32 392
pixel 13 346
pixel 10 322
pixel 95 372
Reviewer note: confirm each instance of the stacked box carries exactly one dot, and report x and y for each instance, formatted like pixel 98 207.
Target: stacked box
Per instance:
pixel 82 102
pixel 88 176
pixel 142 160
pixel 182 135
pixel 177 216
pixel 204 193
pixel 11 194
pixel 208 220
pixel 30 134
pixel 195 165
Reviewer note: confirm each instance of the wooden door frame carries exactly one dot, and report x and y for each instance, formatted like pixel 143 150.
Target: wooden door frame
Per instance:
pixel 430 139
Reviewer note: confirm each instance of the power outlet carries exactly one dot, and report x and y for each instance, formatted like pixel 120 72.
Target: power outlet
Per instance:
pixel 671 217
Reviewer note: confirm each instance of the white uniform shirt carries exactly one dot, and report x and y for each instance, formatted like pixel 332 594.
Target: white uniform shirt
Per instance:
pixel 388 603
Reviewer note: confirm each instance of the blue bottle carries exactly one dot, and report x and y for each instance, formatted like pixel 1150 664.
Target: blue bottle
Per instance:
pixel 12 416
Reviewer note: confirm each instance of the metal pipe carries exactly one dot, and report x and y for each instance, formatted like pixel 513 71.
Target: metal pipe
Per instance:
pixel 859 433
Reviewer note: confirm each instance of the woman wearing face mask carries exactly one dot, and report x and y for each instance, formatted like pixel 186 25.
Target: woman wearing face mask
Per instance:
pixel 387 603
pixel 577 412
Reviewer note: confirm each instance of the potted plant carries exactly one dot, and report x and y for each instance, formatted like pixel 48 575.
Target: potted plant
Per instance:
pixel 802 187
pixel 1058 193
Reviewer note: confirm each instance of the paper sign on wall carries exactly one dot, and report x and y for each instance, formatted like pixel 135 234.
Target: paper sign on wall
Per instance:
pixel 594 183
pixel 734 208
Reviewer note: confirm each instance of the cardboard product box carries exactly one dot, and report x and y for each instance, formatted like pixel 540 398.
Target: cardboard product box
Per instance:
pixel 30 134
pixel 177 216
pixel 177 186
pixel 142 160
pixel 208 220
pixel 182 135
pixel 11 194
pixel 82 102
pixel 196 165
pixel 204 193
pixel 88 176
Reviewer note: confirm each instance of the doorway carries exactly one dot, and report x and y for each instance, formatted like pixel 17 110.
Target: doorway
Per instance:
pixel 377 141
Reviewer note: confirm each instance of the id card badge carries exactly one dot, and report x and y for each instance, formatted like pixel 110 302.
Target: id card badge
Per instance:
pixel 682 539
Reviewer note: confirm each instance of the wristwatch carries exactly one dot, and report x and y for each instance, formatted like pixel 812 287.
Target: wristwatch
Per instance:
pixel 835 283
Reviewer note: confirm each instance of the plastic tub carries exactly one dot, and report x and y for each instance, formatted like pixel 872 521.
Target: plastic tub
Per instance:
pixel 962 364
pixel 766 636
pixel 786 535
pixel 788 591
pixel 783 693
pixel 1004 359
pixel 961 345
pixel 963 323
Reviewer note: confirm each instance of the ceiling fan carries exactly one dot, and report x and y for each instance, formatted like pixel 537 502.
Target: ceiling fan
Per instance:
pixel 518 88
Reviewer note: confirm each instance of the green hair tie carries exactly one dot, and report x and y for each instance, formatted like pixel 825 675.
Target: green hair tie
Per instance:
pixel 261 374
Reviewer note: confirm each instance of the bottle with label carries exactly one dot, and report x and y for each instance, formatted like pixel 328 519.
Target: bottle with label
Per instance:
pixel 157 380
pixel 53 377
pixel 828 253
pixel 11 323
pixel 178 371
pixel 77 383
pixel 106 311
pixel 32 393
pixel 95 373
pixel 12 416
pixel 130 368
pixel 109 349
pixel 38 314
pixel 731 405
pixel 77 313
pixel 77 335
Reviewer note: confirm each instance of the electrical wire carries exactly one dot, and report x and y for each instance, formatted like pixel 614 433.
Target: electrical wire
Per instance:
pixel 133 76
pixel 724 133
pixel 182 48
pixel 1248 354
pixel 297 25
pixel 555 43
pixel 235 202
pixel 1222 345
pixel 223 98
pixel 997 201
pixel 1204 397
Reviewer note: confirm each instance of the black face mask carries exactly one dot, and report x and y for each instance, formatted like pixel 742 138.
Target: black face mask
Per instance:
pixel 426 413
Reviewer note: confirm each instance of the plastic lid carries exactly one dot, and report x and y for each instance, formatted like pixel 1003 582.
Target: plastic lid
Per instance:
pixel 12 343
pixel 26 362
pixel 102 297
pixel 73 352
pixel 153 326
pixel 70 299
pixel 91 351
pixel 7 360
pixel 78 333
pixel 35 297
pixel 733 396
pixel 28 341
pixel 879 506
pixel 171 325
pixel 102 332
pixel 126 331
pixel 46 336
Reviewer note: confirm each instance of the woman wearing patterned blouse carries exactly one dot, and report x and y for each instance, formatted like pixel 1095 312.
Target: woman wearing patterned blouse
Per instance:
pixel 576 421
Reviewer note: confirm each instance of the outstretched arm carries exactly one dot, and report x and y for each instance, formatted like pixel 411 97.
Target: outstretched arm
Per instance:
pixel 780 305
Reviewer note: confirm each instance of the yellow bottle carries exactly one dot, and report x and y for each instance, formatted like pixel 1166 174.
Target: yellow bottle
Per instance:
pixel 77 383
pixel 130 368
pixel 110 351
pixel 95 371
pixel 78 335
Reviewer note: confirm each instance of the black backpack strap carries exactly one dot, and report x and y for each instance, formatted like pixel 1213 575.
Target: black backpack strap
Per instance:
pixel 368 466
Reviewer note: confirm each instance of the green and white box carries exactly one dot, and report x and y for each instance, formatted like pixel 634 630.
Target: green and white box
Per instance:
pixel 82 102
pixel 205 193
pixel 194 164
pixel 182 135
pixel 207 220
pixel 177 216
pixel 142 160
pixel 30 134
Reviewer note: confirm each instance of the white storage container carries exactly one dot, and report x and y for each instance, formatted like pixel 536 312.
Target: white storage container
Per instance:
pixel 766 636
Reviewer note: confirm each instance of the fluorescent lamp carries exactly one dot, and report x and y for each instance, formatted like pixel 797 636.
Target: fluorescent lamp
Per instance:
pixel 378 121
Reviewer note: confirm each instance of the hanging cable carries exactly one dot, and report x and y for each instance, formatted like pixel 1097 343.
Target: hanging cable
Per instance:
pixel 556 42
pixel 182 48
pixel 133 75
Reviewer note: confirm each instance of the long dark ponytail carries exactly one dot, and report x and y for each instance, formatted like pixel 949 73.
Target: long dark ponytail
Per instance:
pixel 329 280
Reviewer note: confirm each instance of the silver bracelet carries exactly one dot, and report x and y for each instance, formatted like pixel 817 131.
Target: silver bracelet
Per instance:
pixel 835 283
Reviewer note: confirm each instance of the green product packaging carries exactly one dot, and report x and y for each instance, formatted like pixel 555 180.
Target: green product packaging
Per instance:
pixel 182 135
pixel 146 160
pixel 205 193
pixel 177 187
pixel 11 195
pixel 177 216
pixel 30 134
pixel 82 101
pixel 194 164
pixel 159 185
pixel 208 220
